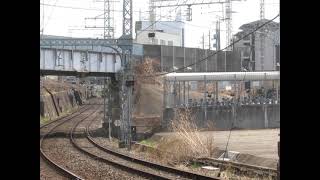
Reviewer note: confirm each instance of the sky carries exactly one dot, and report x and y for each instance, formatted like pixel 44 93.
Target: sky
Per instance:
pixel 67 17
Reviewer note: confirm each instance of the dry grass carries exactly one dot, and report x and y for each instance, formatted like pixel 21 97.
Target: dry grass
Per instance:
pixel 187 143
pixel 145 72
pixel 231 174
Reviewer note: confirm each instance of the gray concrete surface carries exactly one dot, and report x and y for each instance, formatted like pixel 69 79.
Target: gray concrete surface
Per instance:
pixel 247 116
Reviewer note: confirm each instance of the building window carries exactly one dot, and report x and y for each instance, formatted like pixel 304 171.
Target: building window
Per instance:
pixel 170 43
pixel 162 42
pixel 247 38
pixel 155 41
pixel 246 43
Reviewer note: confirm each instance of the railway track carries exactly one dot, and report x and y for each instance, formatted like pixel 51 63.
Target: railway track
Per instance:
pixel 105 154
pixel 129 164
pixel 61 170
pixel 58 119
pixel 68 162
pixel 132 164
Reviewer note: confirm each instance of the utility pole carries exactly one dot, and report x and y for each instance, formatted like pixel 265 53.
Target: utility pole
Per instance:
pixel 218 34
pixel 225 61
pixel 209 41
pixel 278 167
pixel 203 41
pixel 104 99
pixel 205 100
pixel 110 104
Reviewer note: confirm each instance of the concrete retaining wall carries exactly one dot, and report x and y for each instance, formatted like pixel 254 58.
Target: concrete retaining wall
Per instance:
pixel 53 104
pixel 247 116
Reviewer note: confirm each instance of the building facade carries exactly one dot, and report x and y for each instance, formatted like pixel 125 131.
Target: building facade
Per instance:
pixel 260 51
pixel 170 33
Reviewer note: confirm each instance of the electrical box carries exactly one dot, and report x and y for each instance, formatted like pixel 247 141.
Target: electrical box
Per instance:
pixel 151 35
pixel 134 133
pixel 122 144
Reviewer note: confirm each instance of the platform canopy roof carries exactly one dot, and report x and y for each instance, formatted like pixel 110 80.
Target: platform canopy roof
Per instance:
pixel 224 76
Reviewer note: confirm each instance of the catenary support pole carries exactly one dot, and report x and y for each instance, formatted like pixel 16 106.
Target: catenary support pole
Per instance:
pixel 205 99
pixel 184 92
pixel 109 110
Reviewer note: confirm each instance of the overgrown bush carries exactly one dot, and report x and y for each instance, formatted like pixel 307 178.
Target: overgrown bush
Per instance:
pixel 187 142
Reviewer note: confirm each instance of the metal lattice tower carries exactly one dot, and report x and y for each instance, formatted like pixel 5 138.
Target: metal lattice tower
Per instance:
pixel 229 23
pixel 262 35
pixel 152 15
pixel 108 19
pixel 127 18
pixel 189 13
pixel 126 75
pixel 261 9
pixel 108 31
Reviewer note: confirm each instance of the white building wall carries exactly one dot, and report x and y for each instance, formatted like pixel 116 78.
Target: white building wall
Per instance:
pixel 269 54
pixel 143 38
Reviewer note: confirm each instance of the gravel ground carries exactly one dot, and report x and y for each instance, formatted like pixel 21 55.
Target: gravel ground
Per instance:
pixel 91 101
pixel 68 125
pixel 47 172
pixel 89 147
pixel 61 151
pixel 149 156
pixel 141 155
pixel 153 158
pixel 84 143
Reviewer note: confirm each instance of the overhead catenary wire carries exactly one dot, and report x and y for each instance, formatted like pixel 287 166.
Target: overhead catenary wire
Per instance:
pixel 71 7
pixel 81 8
pixel 45 25
pixel 178 5
pixel 42 23
pixel 200 27
pixel 216 52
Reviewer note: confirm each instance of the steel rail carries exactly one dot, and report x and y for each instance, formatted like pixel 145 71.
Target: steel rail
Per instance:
pixel 60 118
pixel 114 163
pixel 153 165
pixel 53 164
